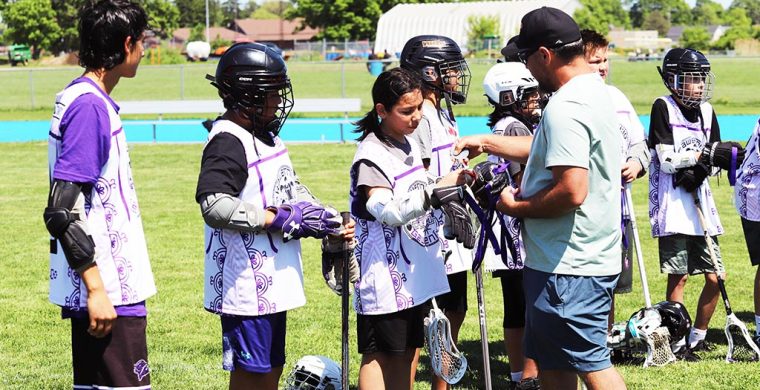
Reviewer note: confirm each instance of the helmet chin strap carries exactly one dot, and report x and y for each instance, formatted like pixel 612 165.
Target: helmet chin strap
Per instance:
pixel 266 132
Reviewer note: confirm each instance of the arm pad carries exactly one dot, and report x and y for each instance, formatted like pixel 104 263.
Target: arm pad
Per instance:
pixel 64 219
pixel 397 211
pixel 224 211
pixel 671 161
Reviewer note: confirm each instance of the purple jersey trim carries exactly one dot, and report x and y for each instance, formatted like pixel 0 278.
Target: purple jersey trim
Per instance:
pixel 138 309
pixel 407 173
pixel 437 148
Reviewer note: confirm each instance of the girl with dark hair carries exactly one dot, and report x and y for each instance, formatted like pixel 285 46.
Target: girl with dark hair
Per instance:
pixel 401 264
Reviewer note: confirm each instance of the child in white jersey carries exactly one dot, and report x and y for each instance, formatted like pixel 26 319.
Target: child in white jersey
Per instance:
pixel 747 201
pixel 255 211
pixel 513 92
pixel 439 61
pixel 684 138
pixel 100 274
pixel 401 264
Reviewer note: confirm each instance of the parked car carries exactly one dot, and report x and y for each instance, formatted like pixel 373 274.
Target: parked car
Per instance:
pixel 19 54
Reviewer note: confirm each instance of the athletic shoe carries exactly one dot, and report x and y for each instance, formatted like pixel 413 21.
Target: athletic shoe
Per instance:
pixel 529 384
pixel 703 346
pixel 687 355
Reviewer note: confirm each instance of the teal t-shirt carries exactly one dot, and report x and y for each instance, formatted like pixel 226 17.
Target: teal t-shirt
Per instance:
pixel 578 129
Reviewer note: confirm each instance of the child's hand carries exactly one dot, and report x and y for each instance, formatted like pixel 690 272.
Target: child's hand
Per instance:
pixel 102 313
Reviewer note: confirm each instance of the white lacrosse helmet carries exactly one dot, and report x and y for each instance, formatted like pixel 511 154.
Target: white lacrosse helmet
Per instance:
pixel 644 322
pixel 507 83
pixel 314 372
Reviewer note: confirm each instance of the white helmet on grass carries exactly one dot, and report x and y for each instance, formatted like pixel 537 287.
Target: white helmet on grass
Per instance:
pixel 314 372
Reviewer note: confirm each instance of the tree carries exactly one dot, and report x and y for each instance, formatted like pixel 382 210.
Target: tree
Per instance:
pixel 741 28
pixel 272 10
pixel 655 21
pixel 192 12
pixel 164 16
pixel 752 7
pixel 695 38
pixel 480 27
pixel 599 15
pixel 66 16
pixel 737 17
pixel 677 12
pixel 197 33
pixel 707 13
pixel 32 22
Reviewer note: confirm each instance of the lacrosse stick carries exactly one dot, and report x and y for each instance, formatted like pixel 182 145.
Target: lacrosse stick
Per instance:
pixel 740 344
pixel 659 352
pixel 448 363
pixel 344 306
pixel 483 328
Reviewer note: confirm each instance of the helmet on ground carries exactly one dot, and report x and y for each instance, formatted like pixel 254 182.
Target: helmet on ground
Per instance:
pixel 507 83
pixel 314 372
pixel 686 73
pixel 675 318
pixel 253 78
pixel 441 64
pixel 644 322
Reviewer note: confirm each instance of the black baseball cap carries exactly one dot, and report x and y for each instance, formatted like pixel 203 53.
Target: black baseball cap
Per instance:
pixel 548 27
pixel 510 50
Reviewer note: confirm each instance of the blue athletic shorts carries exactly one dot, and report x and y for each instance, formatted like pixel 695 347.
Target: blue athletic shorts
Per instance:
pixel 566 320
pixel 254 344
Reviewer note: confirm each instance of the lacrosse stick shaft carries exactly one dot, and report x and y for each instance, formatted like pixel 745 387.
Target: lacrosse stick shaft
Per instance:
pixel 483 329
pixel 637 245
pixel 711 250
pixel 344 306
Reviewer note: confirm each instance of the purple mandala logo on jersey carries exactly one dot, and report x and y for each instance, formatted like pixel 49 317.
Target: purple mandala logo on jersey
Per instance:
pixel 284 186
pixel 141 369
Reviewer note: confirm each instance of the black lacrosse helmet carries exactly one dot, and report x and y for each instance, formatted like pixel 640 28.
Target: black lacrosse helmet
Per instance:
pixel 675 318
pixel 441 64
pixel 681 67
pixel 246 76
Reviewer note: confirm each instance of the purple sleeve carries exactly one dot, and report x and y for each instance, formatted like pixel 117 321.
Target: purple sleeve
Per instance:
pixel 86 140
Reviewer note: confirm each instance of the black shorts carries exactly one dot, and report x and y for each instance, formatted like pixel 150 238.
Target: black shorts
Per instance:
pixel 752 238
pixel 513 297
pixel 625 281
pixel 456 299
pixel 117 360
pixel 392 333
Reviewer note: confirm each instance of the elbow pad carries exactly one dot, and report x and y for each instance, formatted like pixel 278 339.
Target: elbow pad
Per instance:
pixel 224 211
pixel 64 220
pixel 397 211
pixel 671 161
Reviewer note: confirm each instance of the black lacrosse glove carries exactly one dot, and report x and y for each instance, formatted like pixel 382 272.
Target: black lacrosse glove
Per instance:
pixel 304 219
pixel 488 183
pixel 718 154
pixel 691 178
pixel 457 224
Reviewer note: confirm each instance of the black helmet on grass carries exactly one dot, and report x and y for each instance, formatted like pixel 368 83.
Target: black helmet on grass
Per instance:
pixel 675 318
pixel 247 76
pixel 686 73
pixel 441 64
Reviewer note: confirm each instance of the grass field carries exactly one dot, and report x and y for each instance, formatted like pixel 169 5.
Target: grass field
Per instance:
pixel 184 340
pixel 735 91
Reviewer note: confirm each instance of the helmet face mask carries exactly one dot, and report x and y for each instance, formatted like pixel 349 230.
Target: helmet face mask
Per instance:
pixel 686 73
pixel 313 372
pixel 253 80
pixel 441 64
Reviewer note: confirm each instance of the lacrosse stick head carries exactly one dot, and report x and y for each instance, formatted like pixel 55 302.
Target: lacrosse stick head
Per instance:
pixel 448 363
pixel 741 347
pixel 675 317
pixel 314 372
pixel 658 348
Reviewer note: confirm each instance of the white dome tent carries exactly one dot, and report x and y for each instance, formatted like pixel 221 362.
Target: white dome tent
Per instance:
pixel 404 21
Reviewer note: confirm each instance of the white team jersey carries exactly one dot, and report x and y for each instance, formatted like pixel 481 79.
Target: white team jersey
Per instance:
pixel 250 273
pixel 671 208
pixel 630 126
pixel 400 267
pixel 444 134
pixel 747 188
pixel 492 261
pixel 113 219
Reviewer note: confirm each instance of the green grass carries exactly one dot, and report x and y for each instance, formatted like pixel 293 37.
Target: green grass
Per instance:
pixel 184 340
pixel 735 91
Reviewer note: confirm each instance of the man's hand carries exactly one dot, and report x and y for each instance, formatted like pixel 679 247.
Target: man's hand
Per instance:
pixel 630 170
pixel 100 308
pixel 508 200
pixel 473 144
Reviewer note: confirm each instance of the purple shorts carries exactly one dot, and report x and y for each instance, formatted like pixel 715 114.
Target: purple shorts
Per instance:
pixel 254 344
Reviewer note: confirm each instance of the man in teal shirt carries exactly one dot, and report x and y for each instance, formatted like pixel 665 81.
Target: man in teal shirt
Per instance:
pixel 570 204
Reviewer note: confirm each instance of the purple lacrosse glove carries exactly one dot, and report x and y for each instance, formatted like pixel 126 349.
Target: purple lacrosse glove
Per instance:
pixel 304 219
